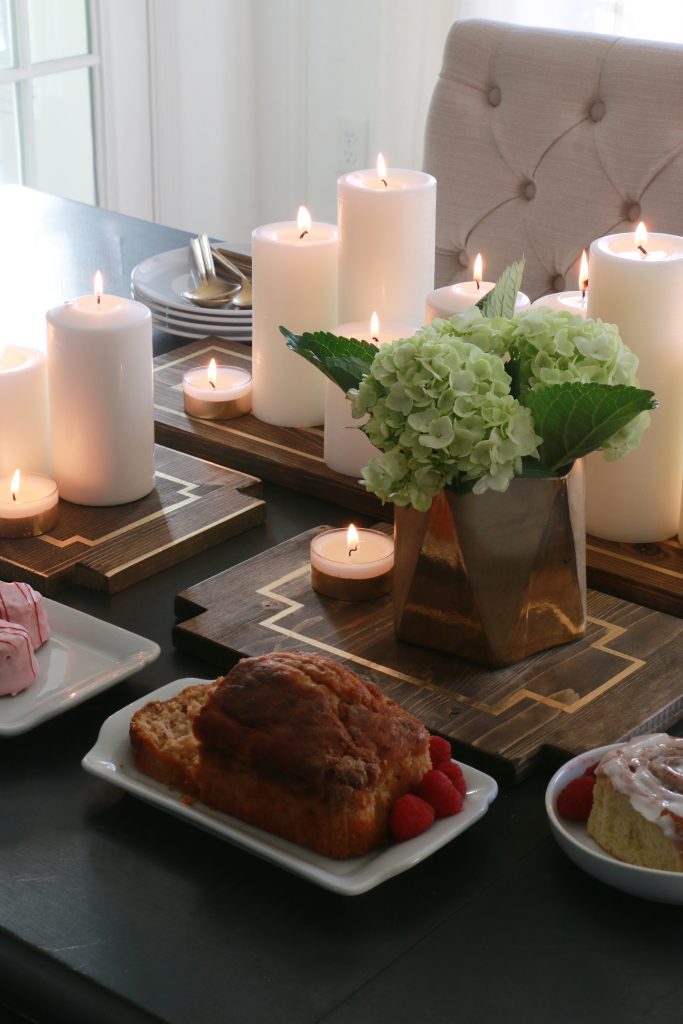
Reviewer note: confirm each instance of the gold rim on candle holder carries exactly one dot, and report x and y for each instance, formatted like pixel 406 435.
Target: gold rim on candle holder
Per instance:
pixel 202 409
pixel 30 525
pixel 352 589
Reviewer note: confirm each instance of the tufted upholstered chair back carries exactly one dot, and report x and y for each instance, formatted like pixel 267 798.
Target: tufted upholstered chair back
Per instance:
pixel 542 141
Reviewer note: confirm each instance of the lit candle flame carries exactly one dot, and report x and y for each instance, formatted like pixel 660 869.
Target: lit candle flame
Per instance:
pixel 381 169
pixel 211 373
pixel 374 327
pixel 14 486
pixel 478 270
pixel 640 240
pixel 352 539
pixel 583 273
pixel 304 221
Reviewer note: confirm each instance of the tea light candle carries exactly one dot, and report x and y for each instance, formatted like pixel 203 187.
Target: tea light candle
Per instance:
pixel 352 565
pixel 637 284
pixel 295 285
pixel 29 504
pixel 217 393
pixel 387 227
pixel 456 298
pixel 23 410
pixel 569 302
pixel 101 387
pixel 346 448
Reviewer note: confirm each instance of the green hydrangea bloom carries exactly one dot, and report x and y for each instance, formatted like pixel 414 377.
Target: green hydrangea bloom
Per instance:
pixel 441 412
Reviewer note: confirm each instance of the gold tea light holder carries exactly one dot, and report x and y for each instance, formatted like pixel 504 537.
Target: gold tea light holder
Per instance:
pixel 29 505
pixel 352 565
pixel 217 392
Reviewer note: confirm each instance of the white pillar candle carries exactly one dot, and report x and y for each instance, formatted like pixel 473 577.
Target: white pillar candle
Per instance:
pixel 457 298
pixel 294 285
pixel 23 410
pixel 346 448
pixel 386 243
pixel 28 504
pixel 100 381
pixel 569 302
pixel 217 392
pixel 637 499
pixel 352 565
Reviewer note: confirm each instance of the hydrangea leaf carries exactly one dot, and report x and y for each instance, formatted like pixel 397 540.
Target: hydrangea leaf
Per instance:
pixel 500 301
pixel 574 419
pixel 344 360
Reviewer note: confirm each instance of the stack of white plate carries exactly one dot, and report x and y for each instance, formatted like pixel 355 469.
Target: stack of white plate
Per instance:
pixel 159 283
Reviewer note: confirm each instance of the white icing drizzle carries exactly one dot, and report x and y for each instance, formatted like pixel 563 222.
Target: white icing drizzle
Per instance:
pixel 649 771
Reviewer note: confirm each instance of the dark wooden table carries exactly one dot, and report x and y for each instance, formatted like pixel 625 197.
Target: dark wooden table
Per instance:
pixel 112 911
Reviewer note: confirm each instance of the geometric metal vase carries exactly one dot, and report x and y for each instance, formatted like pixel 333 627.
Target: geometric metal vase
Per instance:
pixel 494 577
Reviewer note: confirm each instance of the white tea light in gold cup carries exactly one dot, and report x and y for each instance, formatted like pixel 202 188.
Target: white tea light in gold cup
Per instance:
pixel 217 392
pixel 352 565
pixel 29 504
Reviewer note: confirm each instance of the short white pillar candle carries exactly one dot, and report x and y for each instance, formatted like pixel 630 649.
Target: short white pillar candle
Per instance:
pixel 346 448
pixel 294 285
pixel 452 299
pixel 23 410
pixel 387 228
pixel 569 302
pixel 637 498
pixel 101 387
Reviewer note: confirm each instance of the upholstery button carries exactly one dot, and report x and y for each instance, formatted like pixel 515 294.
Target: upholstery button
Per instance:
pixel 633 212
pixel 529 190
pixel 597 111
pixel 558 283
pixel 494 96
pixel 463 258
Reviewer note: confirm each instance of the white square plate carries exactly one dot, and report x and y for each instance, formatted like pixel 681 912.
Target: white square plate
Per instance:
pixel 111 759
pixel 573 838
pixel 83 656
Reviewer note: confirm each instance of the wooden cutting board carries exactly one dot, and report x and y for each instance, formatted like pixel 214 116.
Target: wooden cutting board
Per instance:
pixel 622 678
pixel 193 506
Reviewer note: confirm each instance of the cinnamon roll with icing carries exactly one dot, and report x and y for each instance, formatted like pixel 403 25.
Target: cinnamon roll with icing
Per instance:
pixel 637 813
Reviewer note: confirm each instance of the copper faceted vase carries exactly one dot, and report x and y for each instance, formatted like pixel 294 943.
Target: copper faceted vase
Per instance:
pixel 494 577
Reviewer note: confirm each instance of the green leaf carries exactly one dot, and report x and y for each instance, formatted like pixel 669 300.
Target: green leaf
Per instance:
pixel 500 301
pixel 574 419
pixel 344 360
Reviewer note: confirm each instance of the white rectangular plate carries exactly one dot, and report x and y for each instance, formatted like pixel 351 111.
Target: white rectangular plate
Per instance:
pixel 83 656
pixel 111 759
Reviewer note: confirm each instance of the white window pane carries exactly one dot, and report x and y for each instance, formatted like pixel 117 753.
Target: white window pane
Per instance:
pixel 64 136
pixel 10 148
pixel 58 28
pixel 6 35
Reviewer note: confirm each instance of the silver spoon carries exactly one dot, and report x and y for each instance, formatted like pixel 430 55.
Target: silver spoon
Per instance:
pixel 210 291
pixel 243 297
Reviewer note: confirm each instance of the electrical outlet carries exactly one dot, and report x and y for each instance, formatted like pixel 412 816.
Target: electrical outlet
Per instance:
pixel 352 143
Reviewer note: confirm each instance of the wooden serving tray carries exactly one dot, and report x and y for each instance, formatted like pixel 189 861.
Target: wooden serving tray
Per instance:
pixel 194 505
pixel 650 574
pixel 622 678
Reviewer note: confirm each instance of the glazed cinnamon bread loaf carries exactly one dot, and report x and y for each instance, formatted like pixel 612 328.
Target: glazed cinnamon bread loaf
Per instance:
pixel 164 745
pixel 298 745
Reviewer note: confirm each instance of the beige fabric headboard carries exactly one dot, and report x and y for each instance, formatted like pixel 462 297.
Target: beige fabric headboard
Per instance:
pixel 542 141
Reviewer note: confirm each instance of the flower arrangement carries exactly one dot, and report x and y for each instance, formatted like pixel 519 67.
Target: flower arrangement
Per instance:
pixel 471 402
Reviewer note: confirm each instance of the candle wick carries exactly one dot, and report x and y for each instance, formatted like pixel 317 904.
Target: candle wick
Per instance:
pixel 385 182
pixel 212 384
pixel 99 299
pixel 478 285
pixel 14 497
pixel 351 550
pixel 583 295
pixel 376 341
pixel 643 250
pixel 304 232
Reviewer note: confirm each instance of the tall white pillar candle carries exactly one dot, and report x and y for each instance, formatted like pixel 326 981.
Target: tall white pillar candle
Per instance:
pixel 99 356
pixel 294 285
pixel 386 243
pixel 23 410
pixel 637 499
pixel 347 449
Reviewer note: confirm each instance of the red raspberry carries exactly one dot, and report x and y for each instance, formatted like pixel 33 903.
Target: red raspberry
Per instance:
pixel 439 751
pixel 592 769
pixel 576 799
pixel 438 790
pixel 409 817
pixel 453 772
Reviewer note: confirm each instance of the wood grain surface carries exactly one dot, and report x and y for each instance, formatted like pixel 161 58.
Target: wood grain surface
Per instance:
pixel 194 505
pixel 284 455
pixel 622 678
